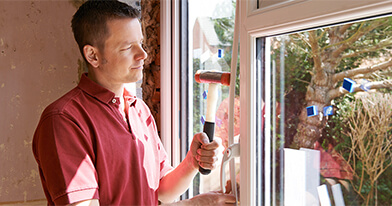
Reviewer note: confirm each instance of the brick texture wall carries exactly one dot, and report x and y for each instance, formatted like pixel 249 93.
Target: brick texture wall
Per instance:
pixel 151 80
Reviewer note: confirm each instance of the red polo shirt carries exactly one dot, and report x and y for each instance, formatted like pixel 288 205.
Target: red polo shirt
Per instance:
pixel 86 150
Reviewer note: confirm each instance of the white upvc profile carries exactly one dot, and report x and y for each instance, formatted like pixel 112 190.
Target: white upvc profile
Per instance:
pixel 283 17
pixel 170 79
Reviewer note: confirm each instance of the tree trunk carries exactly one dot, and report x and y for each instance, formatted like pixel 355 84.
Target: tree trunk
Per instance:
pixel 323 86
pixel 310 128
pixel 325 62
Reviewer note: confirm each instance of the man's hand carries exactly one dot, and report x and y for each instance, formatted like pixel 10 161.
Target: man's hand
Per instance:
pixel 204 153
pixel 228 187
pixel 212 198
pixel 205 199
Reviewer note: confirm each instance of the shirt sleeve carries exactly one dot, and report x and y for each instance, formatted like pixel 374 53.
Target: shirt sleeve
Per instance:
pixel 165 166
pixel 65 157
pixel 164 163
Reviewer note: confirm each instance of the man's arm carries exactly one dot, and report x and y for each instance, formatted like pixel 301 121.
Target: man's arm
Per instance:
pixel 178 180
pixel 63 152
pixel 202 153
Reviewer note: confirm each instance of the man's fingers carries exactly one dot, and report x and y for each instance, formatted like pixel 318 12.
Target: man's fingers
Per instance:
pixel 203 138
pixel 206 154
pixel 229 199
pixel 207 159
pixel 213 198
pixel 207 165
pixel 213 145
pixel 205 143
pixel 230 202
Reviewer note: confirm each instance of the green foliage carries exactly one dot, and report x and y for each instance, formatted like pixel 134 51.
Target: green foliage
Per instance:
pixel 298 63
pixel 224 28
pixel 384 186
pixel 338 130
pixel 197 89
pixel 336 126
pixel 372 39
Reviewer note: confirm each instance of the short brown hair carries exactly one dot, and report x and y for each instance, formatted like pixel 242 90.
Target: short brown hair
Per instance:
pixel 89 23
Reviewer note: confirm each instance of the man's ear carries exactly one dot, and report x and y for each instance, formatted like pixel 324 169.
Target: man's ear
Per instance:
pixel 91 55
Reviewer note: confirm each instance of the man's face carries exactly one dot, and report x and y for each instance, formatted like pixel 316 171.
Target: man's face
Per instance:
pixel 123 57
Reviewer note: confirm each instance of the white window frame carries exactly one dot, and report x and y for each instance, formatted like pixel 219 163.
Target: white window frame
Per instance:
pixel 170 79
pixel 292 15
pixel 170 85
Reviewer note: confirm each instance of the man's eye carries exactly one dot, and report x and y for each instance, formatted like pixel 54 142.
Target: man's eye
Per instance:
pixel 128 48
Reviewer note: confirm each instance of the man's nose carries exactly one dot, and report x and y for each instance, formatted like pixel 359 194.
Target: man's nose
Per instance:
pixel 141 53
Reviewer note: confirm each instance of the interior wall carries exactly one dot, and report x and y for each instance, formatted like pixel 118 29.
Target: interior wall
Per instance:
pixel 151 86
pixel 38 64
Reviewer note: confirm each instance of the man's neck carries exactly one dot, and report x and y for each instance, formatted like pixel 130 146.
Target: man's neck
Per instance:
pixel 117 89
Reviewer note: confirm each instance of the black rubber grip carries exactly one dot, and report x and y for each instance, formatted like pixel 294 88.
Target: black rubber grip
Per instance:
pixel 209 129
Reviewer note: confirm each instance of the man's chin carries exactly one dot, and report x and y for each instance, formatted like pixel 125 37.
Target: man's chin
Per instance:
pixel 135 78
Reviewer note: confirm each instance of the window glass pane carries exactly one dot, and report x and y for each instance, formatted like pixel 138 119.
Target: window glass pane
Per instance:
pixel 330 115
pixel 211 25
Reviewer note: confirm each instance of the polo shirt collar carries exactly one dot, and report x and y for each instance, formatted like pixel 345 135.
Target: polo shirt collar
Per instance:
pixel 101 93
pixel 129 97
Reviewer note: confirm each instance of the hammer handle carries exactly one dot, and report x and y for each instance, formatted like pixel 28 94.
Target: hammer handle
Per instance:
pixel 209 125
pixel 209 129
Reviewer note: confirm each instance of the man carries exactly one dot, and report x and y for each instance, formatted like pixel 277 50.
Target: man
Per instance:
pixel 98 144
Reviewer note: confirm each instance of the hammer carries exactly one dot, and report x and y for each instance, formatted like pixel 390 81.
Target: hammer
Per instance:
pixel 213 78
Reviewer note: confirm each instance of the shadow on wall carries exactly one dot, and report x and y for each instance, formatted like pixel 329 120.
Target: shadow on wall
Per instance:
pixel 38 64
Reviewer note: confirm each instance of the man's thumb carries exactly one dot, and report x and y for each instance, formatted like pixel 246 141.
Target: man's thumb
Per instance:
pixel 204 139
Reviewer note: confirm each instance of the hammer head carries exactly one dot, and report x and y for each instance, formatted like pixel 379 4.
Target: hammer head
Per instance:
pixel 211 76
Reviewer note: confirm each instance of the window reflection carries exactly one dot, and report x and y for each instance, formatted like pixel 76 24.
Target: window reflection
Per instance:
pixel 334 88
pixel 211 37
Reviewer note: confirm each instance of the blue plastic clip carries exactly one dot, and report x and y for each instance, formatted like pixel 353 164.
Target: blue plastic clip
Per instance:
pixel 220 53
pixel 312 111
pixel 364 86
pixel 205 94
pixel 328 110
pixel 348 84
pixel 203 119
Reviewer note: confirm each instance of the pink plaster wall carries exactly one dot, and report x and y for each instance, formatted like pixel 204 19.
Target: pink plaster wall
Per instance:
pixel 38 64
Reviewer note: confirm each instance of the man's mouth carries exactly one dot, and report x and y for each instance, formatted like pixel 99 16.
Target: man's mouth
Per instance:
pixel 138 67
